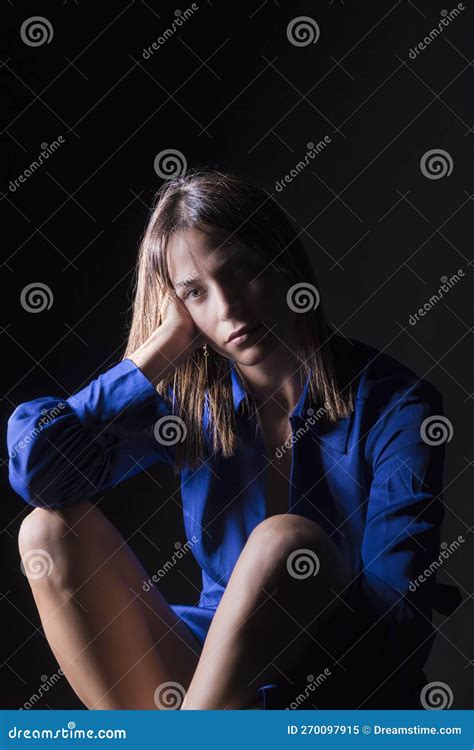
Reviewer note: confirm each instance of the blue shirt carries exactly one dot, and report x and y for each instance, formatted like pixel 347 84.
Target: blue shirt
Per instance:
pixel 372 480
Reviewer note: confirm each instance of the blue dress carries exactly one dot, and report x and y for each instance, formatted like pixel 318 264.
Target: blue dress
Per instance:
pixel 372 481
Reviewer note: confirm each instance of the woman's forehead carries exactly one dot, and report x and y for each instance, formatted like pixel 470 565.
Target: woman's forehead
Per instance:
pixel 190 249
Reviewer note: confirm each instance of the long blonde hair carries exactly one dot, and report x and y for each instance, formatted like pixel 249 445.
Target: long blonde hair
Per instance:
pixel 227 206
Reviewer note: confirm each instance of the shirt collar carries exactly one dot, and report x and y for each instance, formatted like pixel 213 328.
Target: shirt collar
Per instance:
pixel 334 435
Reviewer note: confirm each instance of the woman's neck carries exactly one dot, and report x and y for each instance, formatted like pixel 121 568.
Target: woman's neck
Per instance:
pixel 278 381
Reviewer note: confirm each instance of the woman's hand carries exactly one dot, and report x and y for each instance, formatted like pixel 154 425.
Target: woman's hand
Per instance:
pixel 170 344
pixel 176 316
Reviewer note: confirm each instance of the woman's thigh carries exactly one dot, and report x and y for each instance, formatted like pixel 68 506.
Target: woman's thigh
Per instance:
pixel 278 595
pixel 105 627
pixel 311 575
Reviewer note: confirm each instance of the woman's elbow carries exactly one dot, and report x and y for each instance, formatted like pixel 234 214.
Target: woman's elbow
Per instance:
pixel 35 473
pixel 33 491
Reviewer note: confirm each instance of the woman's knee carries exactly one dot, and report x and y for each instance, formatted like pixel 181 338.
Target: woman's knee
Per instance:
pixel 44 538
pixel 298 548
pixel 287 523
pixel 274 540
pixel 284 533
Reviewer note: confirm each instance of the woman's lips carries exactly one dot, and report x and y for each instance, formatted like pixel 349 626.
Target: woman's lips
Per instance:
pixel 246 336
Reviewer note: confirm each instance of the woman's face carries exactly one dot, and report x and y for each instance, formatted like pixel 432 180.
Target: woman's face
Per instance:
pixel 227 289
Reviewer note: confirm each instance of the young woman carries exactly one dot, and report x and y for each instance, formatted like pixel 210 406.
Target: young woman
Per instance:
pixel 310 485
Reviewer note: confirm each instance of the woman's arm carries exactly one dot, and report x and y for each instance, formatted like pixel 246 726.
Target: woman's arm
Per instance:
pixel 170 344
pixel 403 520
pixel 167 347
pixel 65 450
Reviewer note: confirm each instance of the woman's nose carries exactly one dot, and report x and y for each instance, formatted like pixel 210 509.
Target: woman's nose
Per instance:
pixel 228 300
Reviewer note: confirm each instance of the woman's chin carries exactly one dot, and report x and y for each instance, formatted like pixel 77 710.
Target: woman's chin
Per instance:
pixel 255 354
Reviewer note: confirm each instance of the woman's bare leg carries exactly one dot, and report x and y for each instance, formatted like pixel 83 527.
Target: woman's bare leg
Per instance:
pixel 258 628
pixel 115 643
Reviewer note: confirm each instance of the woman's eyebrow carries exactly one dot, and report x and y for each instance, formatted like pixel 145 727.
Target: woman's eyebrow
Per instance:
pixel 186 282
pixel 195 277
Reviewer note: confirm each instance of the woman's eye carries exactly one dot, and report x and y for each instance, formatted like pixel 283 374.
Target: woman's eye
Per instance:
pixel 188 293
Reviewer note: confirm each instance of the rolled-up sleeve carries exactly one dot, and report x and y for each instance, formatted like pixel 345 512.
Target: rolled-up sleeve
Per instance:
pixel 405 452
pixel 64 450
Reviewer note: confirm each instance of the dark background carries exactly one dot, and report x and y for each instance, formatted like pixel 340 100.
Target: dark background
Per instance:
pixel 229 90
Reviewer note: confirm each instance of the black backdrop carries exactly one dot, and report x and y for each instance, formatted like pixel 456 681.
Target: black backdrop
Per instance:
pixel 382 220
